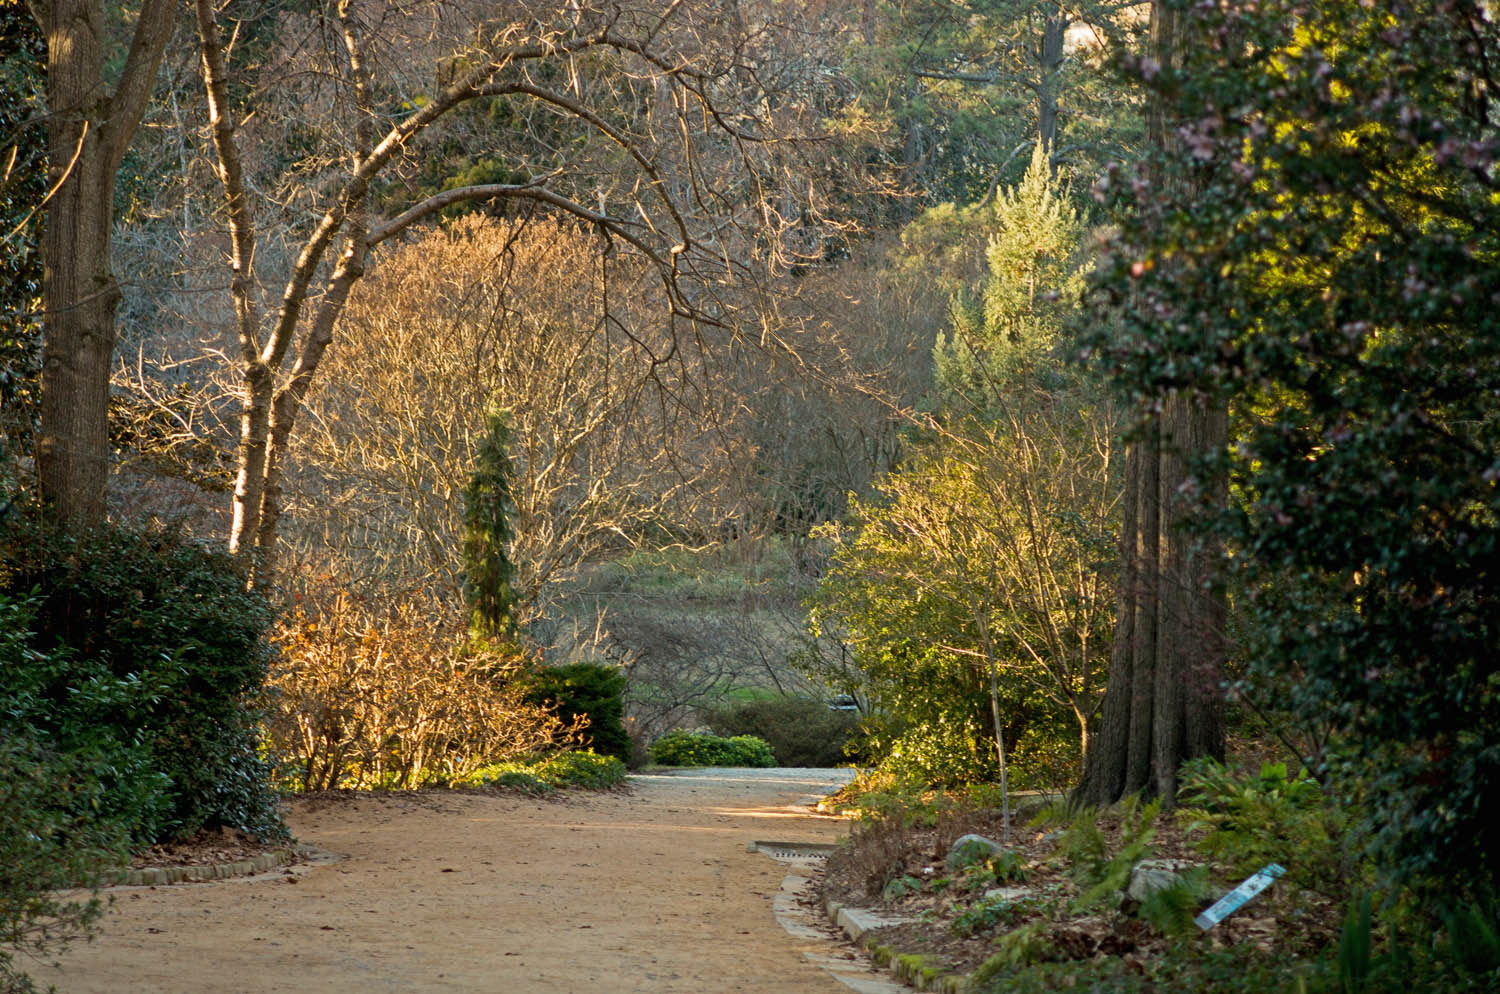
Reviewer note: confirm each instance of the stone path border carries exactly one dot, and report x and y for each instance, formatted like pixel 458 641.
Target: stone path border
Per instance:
pixel 154 876
pixel 804 861
pixel 911 971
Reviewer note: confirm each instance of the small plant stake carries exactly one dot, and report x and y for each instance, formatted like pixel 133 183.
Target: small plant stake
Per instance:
pixel 1236 899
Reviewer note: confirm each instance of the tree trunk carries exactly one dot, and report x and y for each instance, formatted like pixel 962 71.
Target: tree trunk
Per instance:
pixel 79 292
pixel 1118 761
pixel 1050 63
pixel 88 130
pixel 79 297
pixel 1164 702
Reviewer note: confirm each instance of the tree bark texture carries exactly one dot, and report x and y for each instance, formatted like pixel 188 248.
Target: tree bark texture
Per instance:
pixel 88 131
pixel 1050 64
pixel 1163 704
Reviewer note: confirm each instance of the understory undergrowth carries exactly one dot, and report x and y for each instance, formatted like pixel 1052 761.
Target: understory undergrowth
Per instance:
pixel 1104 900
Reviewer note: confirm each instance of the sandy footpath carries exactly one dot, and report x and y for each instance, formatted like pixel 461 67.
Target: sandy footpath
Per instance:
pixel 646 891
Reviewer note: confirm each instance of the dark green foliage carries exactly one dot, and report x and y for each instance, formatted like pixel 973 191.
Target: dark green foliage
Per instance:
pixel 23 57
pixel 1008 866
pixel 801 732
pixel 65 816
pixel 91 715
pixel 488 506
pixel 1473 940
pixel 1324 260
pixel 1236 969
pixel 1017 948
pixel 1248 821
pixel 700 749
pixel 1354 947
pixel 51 837
pixel 151 655
pixel 1171 909
pixel 586 690
pixel 985 914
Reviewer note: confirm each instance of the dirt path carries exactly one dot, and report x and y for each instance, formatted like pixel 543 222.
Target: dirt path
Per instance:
pixel 650 891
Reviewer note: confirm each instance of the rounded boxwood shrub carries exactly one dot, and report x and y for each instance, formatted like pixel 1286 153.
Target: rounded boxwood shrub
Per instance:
pixel 681 748
pixel 588 689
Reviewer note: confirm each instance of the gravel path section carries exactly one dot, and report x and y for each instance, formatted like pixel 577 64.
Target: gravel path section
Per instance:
pixel 651 891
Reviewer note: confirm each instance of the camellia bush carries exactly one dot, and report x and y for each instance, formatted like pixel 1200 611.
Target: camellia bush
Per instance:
pixel 147 657
pixel 59 825
pixel 1320 252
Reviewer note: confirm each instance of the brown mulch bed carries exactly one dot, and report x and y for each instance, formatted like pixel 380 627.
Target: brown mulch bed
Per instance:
pixel 209 847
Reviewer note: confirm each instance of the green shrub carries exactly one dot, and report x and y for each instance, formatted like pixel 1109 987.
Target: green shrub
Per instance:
pixel 702 749
pixel 51 837
pixel 801 732
pixel 586 690
pixel 511 776
pixel 87 713
pixel 150 660
pixel 585 769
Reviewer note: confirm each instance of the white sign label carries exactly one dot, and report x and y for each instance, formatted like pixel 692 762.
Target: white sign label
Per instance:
pixel 1235 899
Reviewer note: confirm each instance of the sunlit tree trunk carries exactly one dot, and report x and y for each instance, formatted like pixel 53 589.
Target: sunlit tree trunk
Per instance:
pixel 88 131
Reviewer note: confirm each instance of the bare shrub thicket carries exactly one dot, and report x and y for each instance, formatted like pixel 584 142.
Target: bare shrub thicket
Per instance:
pixel 679 664
pixel 857 352
pixel 480 313
pixel 386 697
